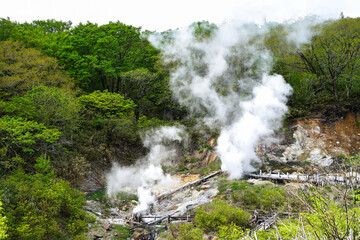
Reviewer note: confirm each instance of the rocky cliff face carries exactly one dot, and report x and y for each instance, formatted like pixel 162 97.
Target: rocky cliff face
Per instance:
pixel 318 141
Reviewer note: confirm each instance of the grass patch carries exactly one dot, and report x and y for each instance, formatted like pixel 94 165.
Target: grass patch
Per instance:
pixel 191 160
pixel 97 196
pixel 225 184
pixel 127 197
pixel 122 232
pixel 122 200
pixel 265 197
pixel 205 170
pixel 235 187
pixel 101 196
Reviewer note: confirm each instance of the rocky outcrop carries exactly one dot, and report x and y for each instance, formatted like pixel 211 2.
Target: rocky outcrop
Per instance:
pixel 318 141
pixel 309 145
pixel 205 155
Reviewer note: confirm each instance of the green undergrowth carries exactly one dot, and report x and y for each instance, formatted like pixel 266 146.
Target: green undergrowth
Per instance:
pixel 97 196
pixel 216 218
pixel 324 218
pixel 207 169
pixel 41 206
pixel 194 167
pixel 123 200
pixel 118 232
pixel 102 197
pixel 303 212
pixel 265 197
pixel 123 232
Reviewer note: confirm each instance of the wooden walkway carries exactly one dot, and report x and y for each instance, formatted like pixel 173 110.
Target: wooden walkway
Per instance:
pixel 318 179
pixel 169 218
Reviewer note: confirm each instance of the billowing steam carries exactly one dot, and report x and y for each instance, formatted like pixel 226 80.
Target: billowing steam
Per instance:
pixel 260 115
pixel 302 30
pixel 225 78
pixel 147 173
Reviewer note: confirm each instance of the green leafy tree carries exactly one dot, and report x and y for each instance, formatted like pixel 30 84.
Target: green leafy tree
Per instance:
pixel 51 106
pixel 39 206
pixel 113 57
pixel 39 34
pixel 147 90
pixel 21 139
pixel 110 113
pixel 204 29
pixel 53 26
pixel 108 127
pixel 325 70
pixel 107 105
pixel 7 27
pixel 96 55
pixel 332 59
pixel 3 223
pixel 22 68
pixel 55 109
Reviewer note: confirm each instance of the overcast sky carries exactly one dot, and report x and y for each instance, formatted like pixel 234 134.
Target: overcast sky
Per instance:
pixel 162 15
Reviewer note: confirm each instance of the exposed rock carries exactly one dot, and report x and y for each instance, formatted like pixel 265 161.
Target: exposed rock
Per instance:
pixel 309 145
pixel 259 182
pixel 94 207
pixel 107 226
pixel 272 157
pixel 199 155
pixel 209 237
pixel 320 158
pixel 209 158
pixel 206 185
pixel 114 211
pixel 212 141
pixel 293 187
pixel 140 233
pixel 317 141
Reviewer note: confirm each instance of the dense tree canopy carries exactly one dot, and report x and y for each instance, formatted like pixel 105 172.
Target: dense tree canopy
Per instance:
pixel 51 106
pixel 22 139
pixel 325 70
pixel 96 55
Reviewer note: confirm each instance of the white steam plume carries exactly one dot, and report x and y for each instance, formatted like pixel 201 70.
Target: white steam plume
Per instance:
pixel 260 116
pixel 144 175
pixel 302 30
pixel 225 79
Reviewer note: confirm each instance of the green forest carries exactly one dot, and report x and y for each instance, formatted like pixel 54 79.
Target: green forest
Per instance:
pixel 73 98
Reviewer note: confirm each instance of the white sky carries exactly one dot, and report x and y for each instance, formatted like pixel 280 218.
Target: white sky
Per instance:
pixel 162 15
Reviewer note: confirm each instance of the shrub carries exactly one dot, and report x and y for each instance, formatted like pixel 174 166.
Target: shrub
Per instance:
pixel 326 220
pixel 39 205
pixel 182 232
pixel 232 232
pixel 218 213
pixel 265 197
pixel 189 232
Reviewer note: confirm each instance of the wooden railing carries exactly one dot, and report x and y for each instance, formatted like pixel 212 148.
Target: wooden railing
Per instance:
pixel 348 179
